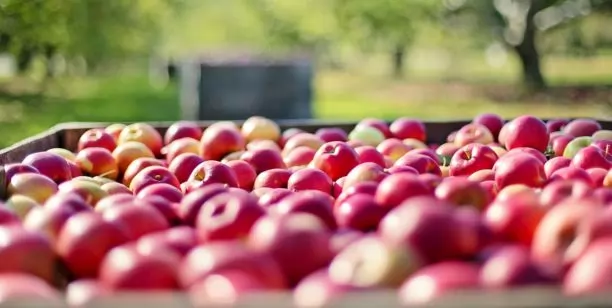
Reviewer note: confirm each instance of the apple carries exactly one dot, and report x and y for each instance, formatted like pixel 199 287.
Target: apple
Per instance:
pixel 47 221
pixel 370 262
pixel 555 192
pixel 300 156
pixel 84 292
pixel 431 181
pixel 329 134
pixel 531 151
pixel 180 240
pixel 21 205
pixel 389 196
pixel 225 256
pixel 416 144
pixel 379 124
pixel 511 266
pixel 115 129
pixel 370 154
pixel 604 134
pixel 403 128
pixel 183 165
pixel 582 127
pixel 225 288
pixel 590 274
pixel 138 165
pixel 15 287
pixel 224 124
pixel 368 188
pixel 560 143
pixel 299 242
pixel 264 159
pixel 51 165
pixel 318 290
pixel 180 146
pixel 400 169
pixel 446 151
pixel 312 202
pixel 427 152
pixel 263 144
pixel 310 179
pixel 7 216
pixel 554 125
pixel 191 204
pixel 337 187
pixel 70 200
pixel 219 141
pixel 182 129
pixel 210 171
pixel 288 134
pixel 571 173
pixel 604 145
pixel 589 229
pixel 366 135
pixel 473 133
pixel 167 208
pixel 95 161
pixel 577 144
pixel 436 280
pixel 526 131
pixel 273 178
pixel 115 188
pixel 143 133
pixel 597 176
pixel 359 212
pixel 136 220
pixel 592 157
pixel 422 163
pixel 96 137
pixel 28 252
pixel 75 171
pixel 33 185
pixel 430 219
pixel 520 168
pixel 514 218
pixel 555 164
pixel 462 192
pixel 127 152
pixel 341 238
pixel 153 175
pixel 364 172
pixel 393 148
pixel 66 154
pixel 11 170
pixel 482 175
pixel 273 196
pixel 556 233
pixel 491 121
pixel 245 173
pixel 302 140
pixel 258 128
pixel 125 269
pixel 471 158
pixel 164 190
pixel 232 156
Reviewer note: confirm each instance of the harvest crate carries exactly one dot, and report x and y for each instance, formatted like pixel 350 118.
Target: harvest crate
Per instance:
pixel 67 135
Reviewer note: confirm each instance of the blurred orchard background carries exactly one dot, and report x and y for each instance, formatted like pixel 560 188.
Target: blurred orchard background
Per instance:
pixel 101 60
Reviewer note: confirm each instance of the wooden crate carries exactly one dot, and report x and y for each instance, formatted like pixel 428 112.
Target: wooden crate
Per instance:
pixel 66 135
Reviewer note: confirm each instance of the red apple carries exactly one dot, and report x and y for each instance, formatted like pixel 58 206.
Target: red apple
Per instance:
pixel 47 221
pixel 33 185
pixel 15 287
pixel 193 201
pixel 66 154
pixel 143 133
pixel 180 146
pixel 379 124
pixel 51 165
pixel 115 129
pixel 96 137
pixel 273 196
pixel 559 144
pixel 288 134
pixel 136 220
pixel 401 169
pixel 471 158
pixel 520 168
pixel 368 188
pixel 589 229
pixel 226 287
pixel 318 290
pixel 125 269
pixel 597 176
pixel 88 190
pixel 182 129
pixel 482 175
pixel 368 153
pixel 462 192
pixel 422 163
pixel 581 127
pixel 128 152
pixel 434 281
pixel 210 171
pixel 26 251
pixel 388 196
pixel 16 168
pixel 258 128
pixel 511 266
pixel 526 131
pixel 300 156
pixel 403 128
pixel 473 133
pixel 302 139
pixel 164 190
pixel 555 164
pixel 329 134
pixel 312 202
pixel 360 212
pixel 229 256
pixel 219 141
pixel 263 144
pixel 554 193
pixel 299 242
pixel 182 165
pixel 153 175
pixel 72 201
pixel 138 165
pixel 264 159
pixel 310 179
pixel 167 208
pixel 365 172
pixel 95 161
pixel 84 292
pixel 446 152
pixel 524 150
pixel 180 240
pixel 245 173
pixel 491 121
pixel 571 173
pixel 555 125
pixel 393 148
pixel 115 188
pixel 592 157
pixel 273 178
pixel 592 272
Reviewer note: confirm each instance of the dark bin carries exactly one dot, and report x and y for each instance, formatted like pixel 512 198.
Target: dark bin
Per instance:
pixel 234 89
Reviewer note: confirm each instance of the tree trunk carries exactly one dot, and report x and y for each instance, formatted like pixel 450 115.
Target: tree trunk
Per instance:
pixel 397 58
pixel 528 53
pixel 24 59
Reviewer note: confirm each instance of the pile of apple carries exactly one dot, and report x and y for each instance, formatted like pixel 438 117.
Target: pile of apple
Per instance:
pixel 232 210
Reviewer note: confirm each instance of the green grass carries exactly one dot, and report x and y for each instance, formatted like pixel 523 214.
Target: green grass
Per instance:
pixel 25 111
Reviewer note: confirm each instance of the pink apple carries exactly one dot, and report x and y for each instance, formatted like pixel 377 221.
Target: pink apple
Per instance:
pixel 492 121
pixel 329 134
pixel 597 176
pixel 182 129
pixel 182 166
pixel 245 173
pixel 191 204
pixel 555 125
pixel 403 128
pixel 379 124
pixel 471 158
pixel 422 163
pixel 300 156
pixel 571 173
pixel 368 153
pixel 310 179
pixel 473 133
pixel 51 165
pixel 592 157
pixel 581 127
pixel 211 171
pixel 365 172
pixel 311 202
pixel 519 169
pixel 359 212
pixel 526 131
pixel 555 164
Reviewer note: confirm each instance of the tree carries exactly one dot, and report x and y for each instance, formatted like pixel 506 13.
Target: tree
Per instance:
pixel 518 23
